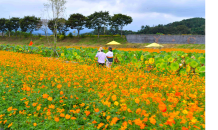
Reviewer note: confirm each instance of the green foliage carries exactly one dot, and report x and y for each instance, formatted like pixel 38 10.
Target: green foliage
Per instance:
pixel 174 66
pixel 61 37
pixel 70 35
pixel 82 35
pixel 76 21
pixel 30 23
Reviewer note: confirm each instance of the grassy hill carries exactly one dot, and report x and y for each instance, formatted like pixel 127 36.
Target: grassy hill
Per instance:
pixel 88 41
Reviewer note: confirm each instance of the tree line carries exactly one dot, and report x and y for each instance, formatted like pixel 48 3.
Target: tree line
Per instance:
pixel 195 26
pixel 77 21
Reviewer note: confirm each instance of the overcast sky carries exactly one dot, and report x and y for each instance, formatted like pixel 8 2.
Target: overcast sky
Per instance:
pixel 143 12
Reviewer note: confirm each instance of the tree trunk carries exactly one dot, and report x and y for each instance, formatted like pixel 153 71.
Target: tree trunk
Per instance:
pixel 55 38
pixel 78 32
pixel 2 34
pixel 98 32
pixel 121 30
pixel 9 33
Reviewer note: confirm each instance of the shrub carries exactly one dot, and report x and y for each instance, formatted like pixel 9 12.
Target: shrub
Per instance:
pixel 61 37
pixel 70 35
pixel 39 35
pixel 82 35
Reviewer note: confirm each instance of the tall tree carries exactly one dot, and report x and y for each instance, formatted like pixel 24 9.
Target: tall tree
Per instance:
pixel 57 9
pixel 98 20
pixel 15 22
pixel 120 20
pixel 61 26
pixel 9 26
pixel 76 21
pixel 30 23
pixel 3 27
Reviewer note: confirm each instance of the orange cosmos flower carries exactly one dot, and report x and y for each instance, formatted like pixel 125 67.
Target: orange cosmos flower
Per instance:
pixel 50 98
pixel 56 119
pixel 77 110
pixel 10 109
pixel 162 107
pixel 67 116
pixel 34 124
pixel 114 97
pixel 152 120
pixel 61 92
pixel 62 115
pixel 96 110
pixel 45 95
pixel 137 100
pixel 51 106
pixel 184 128
pixel 100 125
pixel 73 118
pixel 114 120
pixel 38 108
pixel 10 125
pixel 59 86
pixel 34 104
pixel 94 122
pixel 87 113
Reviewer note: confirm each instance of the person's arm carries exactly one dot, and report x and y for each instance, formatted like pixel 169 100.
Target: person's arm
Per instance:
pixel 96 55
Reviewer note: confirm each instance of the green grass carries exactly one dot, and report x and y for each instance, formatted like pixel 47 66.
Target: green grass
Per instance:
pixel 88 41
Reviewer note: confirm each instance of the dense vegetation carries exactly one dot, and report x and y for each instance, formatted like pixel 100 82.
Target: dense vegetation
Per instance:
pixel 194 26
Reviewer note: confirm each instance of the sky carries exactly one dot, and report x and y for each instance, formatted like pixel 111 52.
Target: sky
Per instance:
pixel 143 12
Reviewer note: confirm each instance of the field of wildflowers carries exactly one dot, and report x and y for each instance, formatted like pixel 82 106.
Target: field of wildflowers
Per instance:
pixel 45 93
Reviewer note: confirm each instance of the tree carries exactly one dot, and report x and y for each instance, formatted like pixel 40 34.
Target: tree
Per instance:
pixel 120 20
pixel 3 27
pixel 182 29
pixel 30 23
pixel 9 26
pixel 57 9
pixel 15 22
pixel 76 21
pixel 98 20
pixel 61 26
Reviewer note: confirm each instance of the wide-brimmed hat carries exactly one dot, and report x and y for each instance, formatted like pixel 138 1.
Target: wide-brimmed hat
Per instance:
pixel 100 49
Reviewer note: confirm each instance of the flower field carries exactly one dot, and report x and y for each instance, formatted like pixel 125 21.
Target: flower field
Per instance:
pixel 143 90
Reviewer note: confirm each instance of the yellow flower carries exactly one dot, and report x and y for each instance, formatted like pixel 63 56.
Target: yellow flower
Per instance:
pixel 34 124
pixel 116 103
pixel 185 112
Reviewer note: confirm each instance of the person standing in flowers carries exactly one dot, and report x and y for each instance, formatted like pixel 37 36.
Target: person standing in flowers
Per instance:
pixel 101 56
pixel 109 56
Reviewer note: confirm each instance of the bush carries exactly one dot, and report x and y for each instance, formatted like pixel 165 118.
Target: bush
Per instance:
pixel 82 35
pixel 61 37
pixel 70 35
pixel 39 35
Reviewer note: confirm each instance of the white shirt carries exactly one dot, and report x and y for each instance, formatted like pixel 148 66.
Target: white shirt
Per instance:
pixel 109 54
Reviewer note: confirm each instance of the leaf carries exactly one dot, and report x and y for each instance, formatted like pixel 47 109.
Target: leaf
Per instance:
pixel 171 59
pixel 182 72
pixel 202 69
pixel 194 64
pixel 202 60
pixel 174 66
